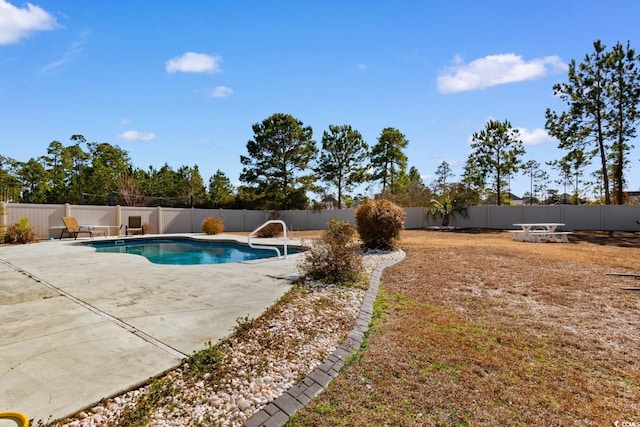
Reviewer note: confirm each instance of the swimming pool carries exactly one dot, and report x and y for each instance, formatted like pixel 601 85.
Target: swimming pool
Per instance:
pixel 185 251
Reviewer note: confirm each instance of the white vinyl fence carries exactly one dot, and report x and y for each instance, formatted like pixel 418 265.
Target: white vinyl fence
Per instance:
pixel 48 223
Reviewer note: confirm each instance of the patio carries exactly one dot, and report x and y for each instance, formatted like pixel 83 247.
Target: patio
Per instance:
pixel 77 326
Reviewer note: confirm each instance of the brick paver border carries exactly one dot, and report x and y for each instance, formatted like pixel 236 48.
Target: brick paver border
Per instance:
pixel 278 412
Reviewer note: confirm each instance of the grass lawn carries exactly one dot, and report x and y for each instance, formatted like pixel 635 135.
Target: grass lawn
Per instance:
pixel 473 328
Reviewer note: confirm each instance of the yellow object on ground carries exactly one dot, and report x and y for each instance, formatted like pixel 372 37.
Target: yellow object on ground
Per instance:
pixel 20 418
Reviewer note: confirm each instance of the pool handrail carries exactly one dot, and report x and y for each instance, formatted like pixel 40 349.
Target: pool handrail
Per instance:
pixel 273 248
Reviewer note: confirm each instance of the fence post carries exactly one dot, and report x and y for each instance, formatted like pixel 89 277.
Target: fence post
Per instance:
pixel 160 222
pixel 118 218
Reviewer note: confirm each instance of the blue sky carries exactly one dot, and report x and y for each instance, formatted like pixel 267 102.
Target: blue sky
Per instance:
pixel 182 82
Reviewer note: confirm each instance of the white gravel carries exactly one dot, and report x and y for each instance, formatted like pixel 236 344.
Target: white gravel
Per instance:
pixel 258 365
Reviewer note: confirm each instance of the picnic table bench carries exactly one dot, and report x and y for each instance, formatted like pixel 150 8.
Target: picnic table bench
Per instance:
pixel 540 232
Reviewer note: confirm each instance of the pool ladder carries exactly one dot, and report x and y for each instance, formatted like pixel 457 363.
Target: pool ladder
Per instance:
pixel 273 248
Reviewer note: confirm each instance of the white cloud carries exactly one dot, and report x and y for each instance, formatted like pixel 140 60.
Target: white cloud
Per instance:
pixel 71 53
pixel 125 122
pixel 192 62
pixel 134 135
pixel 535 137
pixel 18 23
pixel 221 92
pixel 362 66
pixel 495 70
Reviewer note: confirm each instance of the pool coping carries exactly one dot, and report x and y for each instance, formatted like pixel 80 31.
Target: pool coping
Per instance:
pixel 265 243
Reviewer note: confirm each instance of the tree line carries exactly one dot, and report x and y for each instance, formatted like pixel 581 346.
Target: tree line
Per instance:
pixel 284 165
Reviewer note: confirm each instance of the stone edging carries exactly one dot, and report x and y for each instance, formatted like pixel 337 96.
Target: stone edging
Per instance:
pixel 278 412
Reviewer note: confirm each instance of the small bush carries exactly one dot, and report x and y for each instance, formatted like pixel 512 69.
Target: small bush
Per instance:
pixel 270 230
pixel 21 232
pixel 334 259
pixel 212 225
pixel 3 228
pixel 339 233
pixel 379 224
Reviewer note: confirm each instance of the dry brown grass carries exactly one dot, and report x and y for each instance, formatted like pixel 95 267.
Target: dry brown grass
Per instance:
pixel 477 329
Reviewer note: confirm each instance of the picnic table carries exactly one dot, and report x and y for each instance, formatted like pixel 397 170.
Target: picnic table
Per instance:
pixel 540 232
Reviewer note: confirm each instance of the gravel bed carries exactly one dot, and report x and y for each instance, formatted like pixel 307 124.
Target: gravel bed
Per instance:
pixel 259 364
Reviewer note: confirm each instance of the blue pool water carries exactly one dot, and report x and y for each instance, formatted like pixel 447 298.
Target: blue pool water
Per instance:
pixel 177 251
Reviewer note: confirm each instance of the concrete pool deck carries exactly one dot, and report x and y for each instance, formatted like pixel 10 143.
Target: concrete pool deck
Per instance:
pixel 77 326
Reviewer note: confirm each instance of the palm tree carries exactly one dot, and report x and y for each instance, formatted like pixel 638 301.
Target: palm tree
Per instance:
pixel 447 205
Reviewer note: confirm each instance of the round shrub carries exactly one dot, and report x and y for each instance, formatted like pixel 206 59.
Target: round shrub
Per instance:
pixel 20 232
pixel 379 224
pixel 270 230
pixel 212 225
